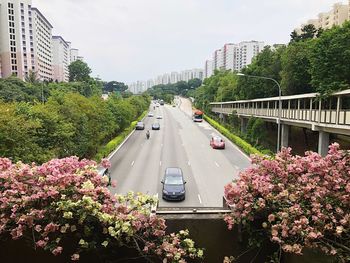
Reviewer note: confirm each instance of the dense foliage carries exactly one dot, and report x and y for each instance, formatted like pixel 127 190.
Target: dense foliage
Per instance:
pixel 167 92
pixel 79 71
pixel 73 120
pixel 65 207
pixel 295 202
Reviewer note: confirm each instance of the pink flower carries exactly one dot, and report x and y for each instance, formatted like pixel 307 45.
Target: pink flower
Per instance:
pixel 105 163
pixel 271 218
pixel 75 257
pixel 57 251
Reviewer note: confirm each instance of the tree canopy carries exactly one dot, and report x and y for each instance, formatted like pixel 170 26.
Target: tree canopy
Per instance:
pixel 79 71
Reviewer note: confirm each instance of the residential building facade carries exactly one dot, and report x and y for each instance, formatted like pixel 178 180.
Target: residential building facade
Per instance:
pixel 42 40
pixel 326 20
pixel 27 44
pixel 233 56
pixel 60 59
pixel 208 69
pixel 16 38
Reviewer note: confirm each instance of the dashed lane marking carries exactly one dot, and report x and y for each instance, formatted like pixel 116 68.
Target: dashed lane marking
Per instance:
pixel 199 197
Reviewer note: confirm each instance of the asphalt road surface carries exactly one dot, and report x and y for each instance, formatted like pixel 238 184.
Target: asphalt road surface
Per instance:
pixel 139 164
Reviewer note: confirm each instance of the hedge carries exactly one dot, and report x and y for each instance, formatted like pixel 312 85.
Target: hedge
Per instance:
pixel 105 150
pixel 242 144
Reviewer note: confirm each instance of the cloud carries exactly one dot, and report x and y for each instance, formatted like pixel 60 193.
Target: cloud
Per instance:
pixel 129 40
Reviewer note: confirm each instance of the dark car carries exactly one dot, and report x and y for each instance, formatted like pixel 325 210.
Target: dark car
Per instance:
pixel 217 142
pixel 140 126
pixel 155 126
pixel 173 184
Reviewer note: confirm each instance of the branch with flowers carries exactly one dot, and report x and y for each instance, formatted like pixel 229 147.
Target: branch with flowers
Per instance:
pixel 66 201
pixel 295 202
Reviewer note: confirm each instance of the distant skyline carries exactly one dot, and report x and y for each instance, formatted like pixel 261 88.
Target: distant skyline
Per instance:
pixel 130 40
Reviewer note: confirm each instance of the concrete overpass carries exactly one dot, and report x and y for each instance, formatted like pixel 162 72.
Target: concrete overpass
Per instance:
pixel 326 115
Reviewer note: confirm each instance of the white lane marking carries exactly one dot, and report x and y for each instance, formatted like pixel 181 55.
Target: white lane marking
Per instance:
pixel 133 162
pixel 183 144
pixel 217 164
pixel 160 163
pixel 199 197
pixel 189 164
pixel 161 145
pixel 141 144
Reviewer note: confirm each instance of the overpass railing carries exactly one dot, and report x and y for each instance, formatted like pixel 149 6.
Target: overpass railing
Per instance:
pixel 334 110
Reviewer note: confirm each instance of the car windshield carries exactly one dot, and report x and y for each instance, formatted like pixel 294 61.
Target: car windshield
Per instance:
pixel 139 123
pixel 173 179
pixel 217 139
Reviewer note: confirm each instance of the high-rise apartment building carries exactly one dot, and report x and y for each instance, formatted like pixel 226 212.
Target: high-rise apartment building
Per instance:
pixel 27 44
pixel 218 59
pixel 16 38
pixel 326 20
pixel 25 40
pixel 74 55
pixel 208 68
pixel 233 56
pixel 42 40
pixel 247 51
pixel 174 77
pixel 60 59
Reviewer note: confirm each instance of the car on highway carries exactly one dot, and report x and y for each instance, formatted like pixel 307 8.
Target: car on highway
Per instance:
pixel 150 114
pixel 217 142
pixel 173 184
pixel 140 126
pixel 102 171
pixel 155 126
pixel 159 117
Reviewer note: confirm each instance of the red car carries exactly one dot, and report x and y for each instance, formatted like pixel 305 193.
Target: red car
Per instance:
pixel 217 142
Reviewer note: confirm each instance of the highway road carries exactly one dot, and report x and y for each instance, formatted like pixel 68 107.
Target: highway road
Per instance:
pixel 139 164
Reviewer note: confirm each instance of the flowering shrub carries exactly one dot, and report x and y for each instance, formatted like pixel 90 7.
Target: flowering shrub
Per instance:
pixel 296 201
pixel 65 199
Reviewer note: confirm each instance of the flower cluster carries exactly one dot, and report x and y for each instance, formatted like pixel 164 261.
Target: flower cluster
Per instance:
pixel 66 200
pixel 296 201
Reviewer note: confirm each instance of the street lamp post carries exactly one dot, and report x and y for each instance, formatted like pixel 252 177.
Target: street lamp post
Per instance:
pixel 279 104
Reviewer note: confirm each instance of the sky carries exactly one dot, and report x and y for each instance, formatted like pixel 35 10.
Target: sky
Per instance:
pixel 130 40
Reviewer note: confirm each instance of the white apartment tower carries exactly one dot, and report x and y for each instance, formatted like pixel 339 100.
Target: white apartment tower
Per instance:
pixel 218 59
pixel 233 56
pixel 208 68
pixel 174 77
pixel 74 54
pixel 247 51
pixel 42 45
pixel 16 38
pixel 60 59
pixel 326 20
pixel 25 40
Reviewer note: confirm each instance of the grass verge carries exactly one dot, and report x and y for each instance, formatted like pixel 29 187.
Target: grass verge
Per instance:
pixel 105 150
pixel 242 144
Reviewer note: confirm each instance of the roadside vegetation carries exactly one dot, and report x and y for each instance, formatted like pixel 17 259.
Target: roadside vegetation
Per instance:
pixel 41 121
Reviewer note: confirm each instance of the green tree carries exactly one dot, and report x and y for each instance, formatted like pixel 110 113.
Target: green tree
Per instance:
pixel 267 64
pixel 296 78
pixel 79 71
pixel 115 86
pixel 329 57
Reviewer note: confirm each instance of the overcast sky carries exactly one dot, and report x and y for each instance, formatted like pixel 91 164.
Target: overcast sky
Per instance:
pixel 129 40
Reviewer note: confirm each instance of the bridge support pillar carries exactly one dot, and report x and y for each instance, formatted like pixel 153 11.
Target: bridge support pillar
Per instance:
pixel 244 124
pixel 323 143
pixel 285 135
